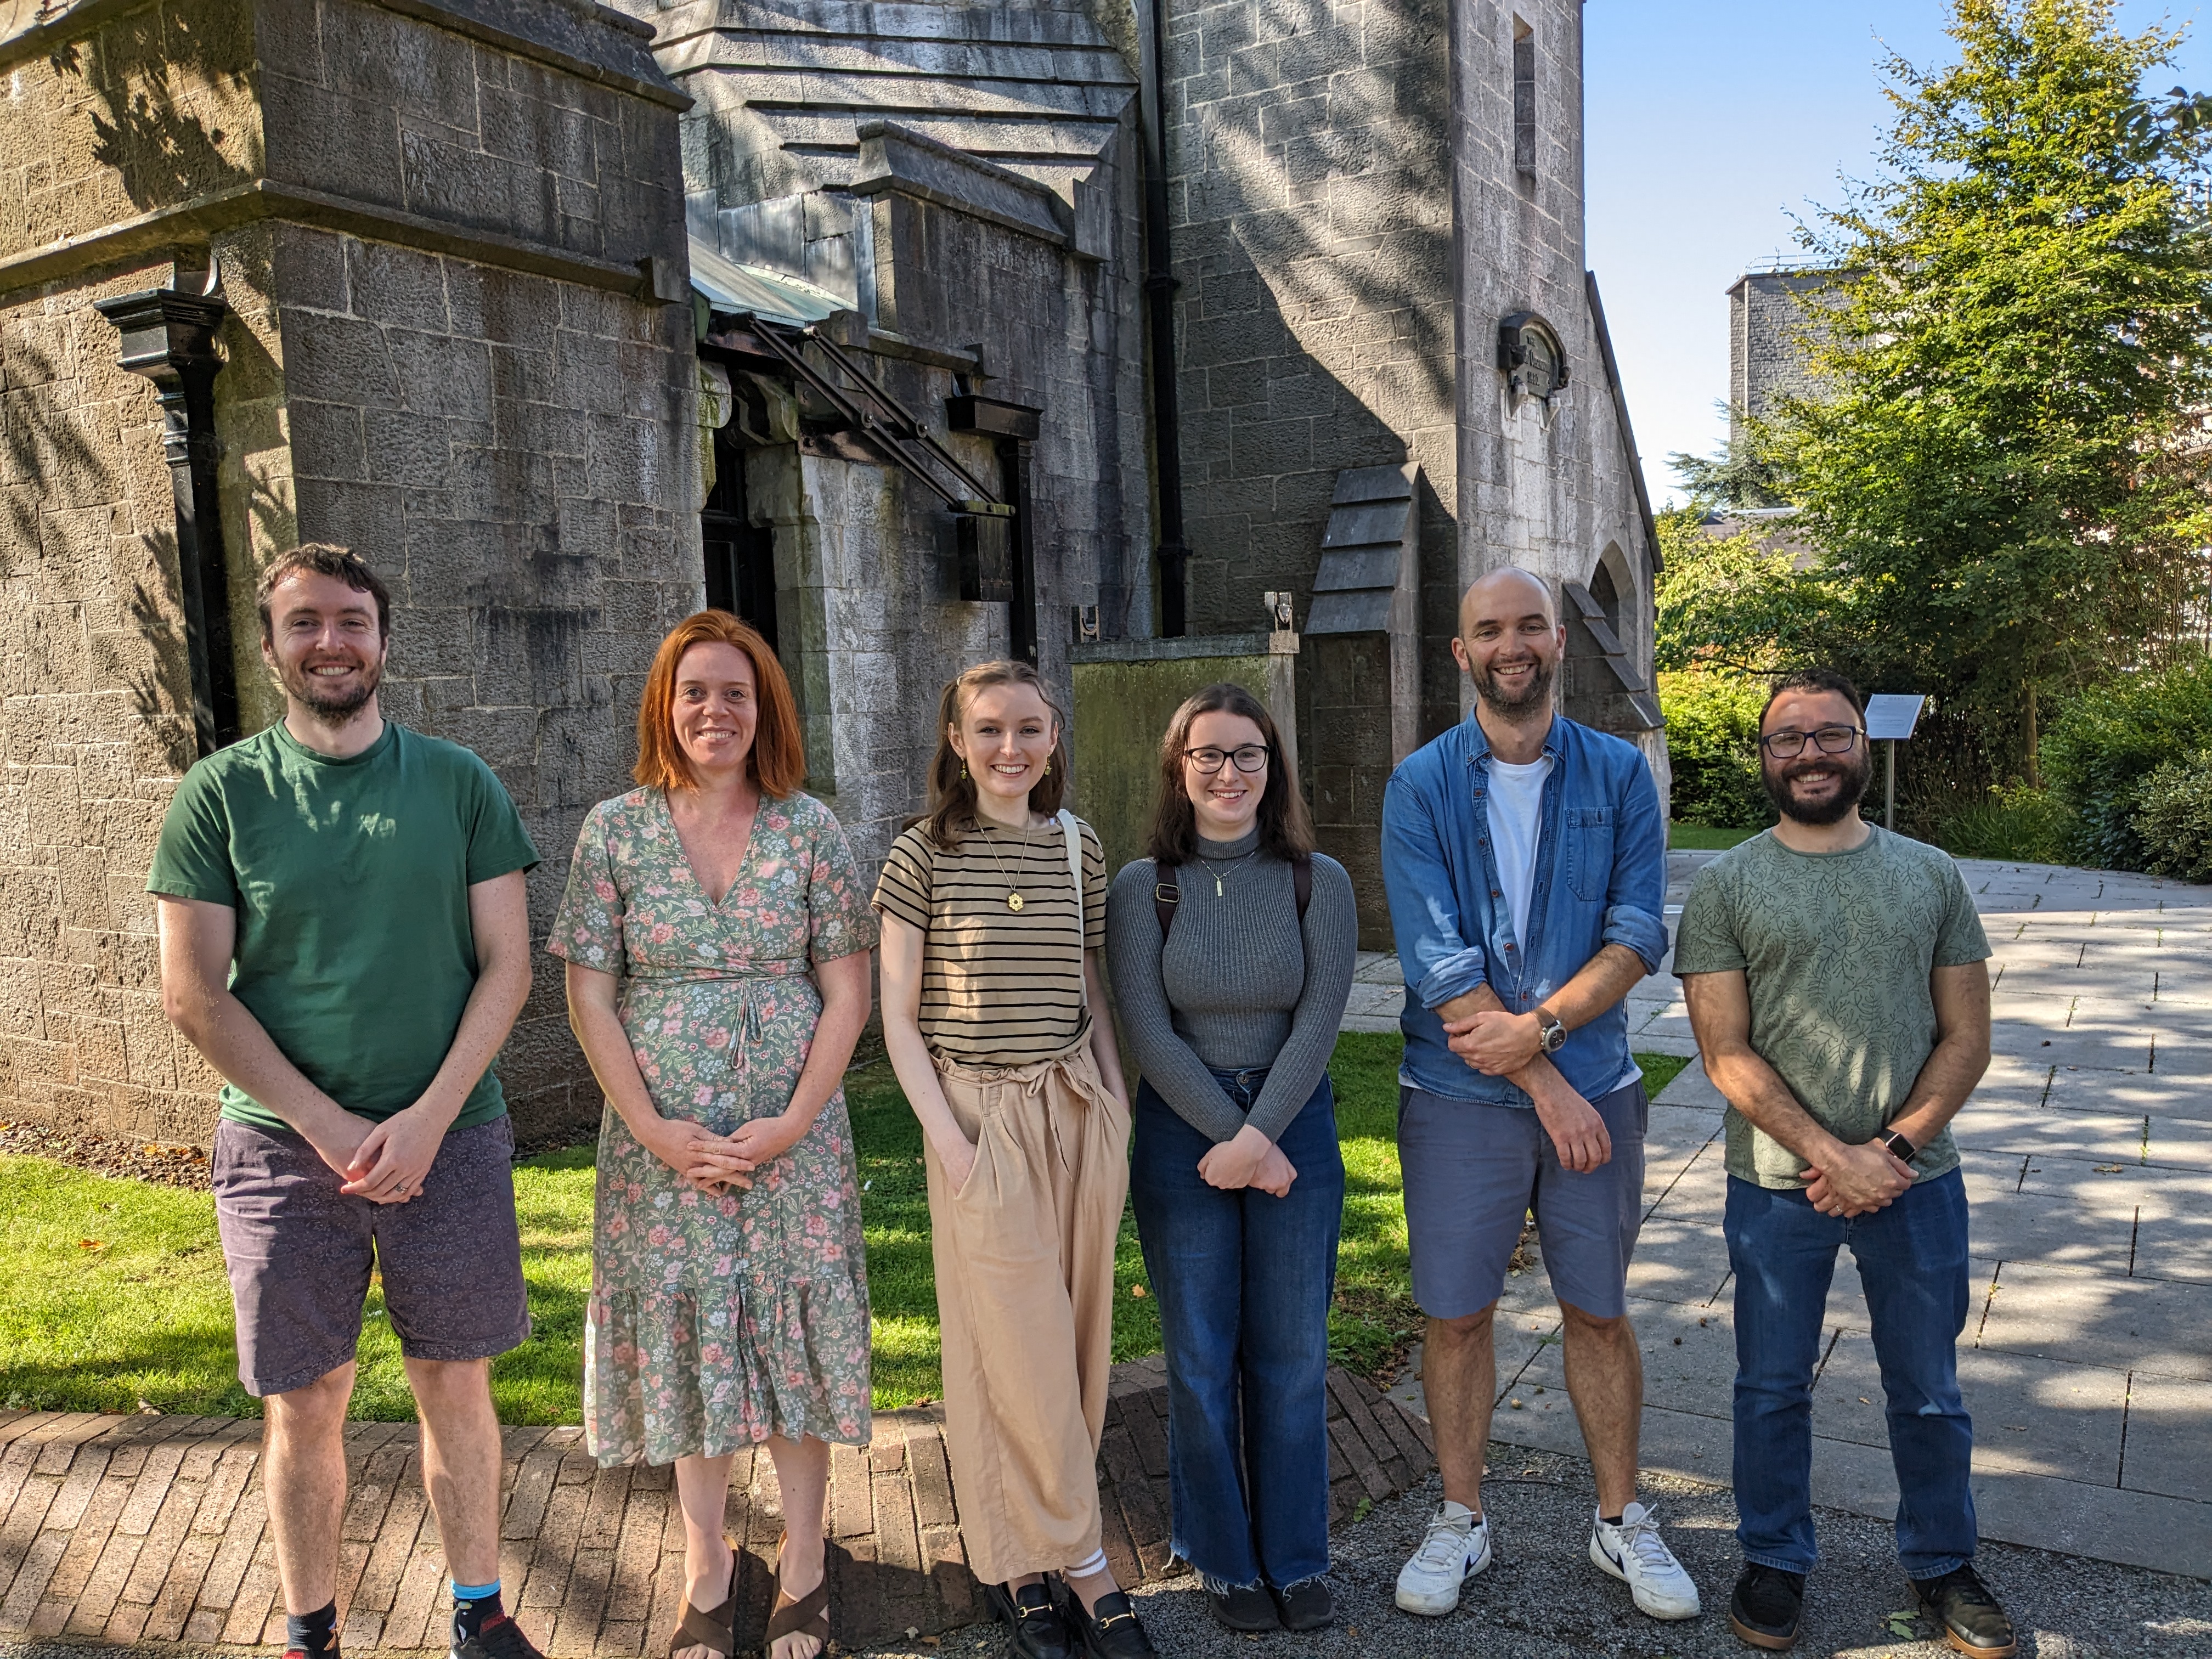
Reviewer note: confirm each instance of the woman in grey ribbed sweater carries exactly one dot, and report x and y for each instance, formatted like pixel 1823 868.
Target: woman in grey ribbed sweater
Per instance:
pixel 1231 950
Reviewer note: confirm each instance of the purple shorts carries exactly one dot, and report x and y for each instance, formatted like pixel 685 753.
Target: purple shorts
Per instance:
pixel 300 1251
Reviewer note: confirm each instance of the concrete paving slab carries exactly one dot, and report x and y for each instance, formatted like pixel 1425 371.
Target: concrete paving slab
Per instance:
pixel 2119 1047
pixel 2030 1416
pixel 2009 1224
pixel 2168 1448
pixel 2141 1529
pixel 2162 1327
pixel 1679 1260
pixel 2156 1093
pixel 1692 1087
pixel 2175 1246
pixel 2001 1126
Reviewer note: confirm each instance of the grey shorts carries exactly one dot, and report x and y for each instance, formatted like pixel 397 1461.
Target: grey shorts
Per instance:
pixel 1472 1171
pixel 300 1251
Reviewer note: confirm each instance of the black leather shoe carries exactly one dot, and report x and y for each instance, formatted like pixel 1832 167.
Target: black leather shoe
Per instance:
pixel 1972 1622
pixel 1111 1631
pixel 1245 1608
pixel 1306 1605
pixel 1767 1606
pixel 1039 1630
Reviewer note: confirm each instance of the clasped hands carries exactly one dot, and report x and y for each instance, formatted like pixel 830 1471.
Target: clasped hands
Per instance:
pixel 714 1163
pixel 1247 1158
pixel 1501 1044
pixel 1857 1180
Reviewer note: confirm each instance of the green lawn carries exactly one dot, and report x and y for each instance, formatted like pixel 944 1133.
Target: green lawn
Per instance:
pixel 1696 838
pixel 111 1292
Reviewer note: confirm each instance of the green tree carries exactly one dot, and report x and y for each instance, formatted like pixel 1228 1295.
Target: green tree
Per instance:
pixel 2003 465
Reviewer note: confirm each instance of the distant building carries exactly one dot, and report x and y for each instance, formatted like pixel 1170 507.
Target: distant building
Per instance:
pixel 1773 308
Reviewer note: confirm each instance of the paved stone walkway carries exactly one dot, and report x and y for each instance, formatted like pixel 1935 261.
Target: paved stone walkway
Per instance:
pixel 2087 1151
pixel 138 1531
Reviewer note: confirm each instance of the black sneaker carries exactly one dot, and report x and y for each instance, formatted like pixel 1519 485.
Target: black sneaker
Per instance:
pixel 1767 1606
pixel 1039 1632
pixel 500 1638
pixel 1243 1607
pixel 1111 1630
pixel 1306 1605
pixel 1972 1621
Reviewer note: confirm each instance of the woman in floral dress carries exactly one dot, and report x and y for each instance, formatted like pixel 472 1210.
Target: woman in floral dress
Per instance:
pixel 716 937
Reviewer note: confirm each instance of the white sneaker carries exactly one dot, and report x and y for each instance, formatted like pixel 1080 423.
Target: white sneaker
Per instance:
pixel 1455 1548
pixel 1634 1553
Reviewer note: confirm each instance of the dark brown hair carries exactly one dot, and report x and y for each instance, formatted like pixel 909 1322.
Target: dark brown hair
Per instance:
pixel 951 791
pixel 1285 829
pixel 778 759
pixel 1811 680
pixel 322 559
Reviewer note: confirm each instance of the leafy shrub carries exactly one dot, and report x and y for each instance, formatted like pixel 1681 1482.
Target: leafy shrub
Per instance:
pixel 1712 741
pixel 2174 818
pixel 2016 824
pixel 2103 749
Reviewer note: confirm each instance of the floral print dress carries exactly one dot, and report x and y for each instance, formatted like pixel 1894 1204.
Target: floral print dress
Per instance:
pixel 716 1321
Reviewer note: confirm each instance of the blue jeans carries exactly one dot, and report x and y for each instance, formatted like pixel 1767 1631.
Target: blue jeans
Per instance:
pixel 1912 1263
pixel 1243 1281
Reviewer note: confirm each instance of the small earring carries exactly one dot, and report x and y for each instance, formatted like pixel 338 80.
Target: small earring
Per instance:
pixel 1048 769
pixel 964 769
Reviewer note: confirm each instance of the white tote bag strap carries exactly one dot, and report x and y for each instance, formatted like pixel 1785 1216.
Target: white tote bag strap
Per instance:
pixel 1071 827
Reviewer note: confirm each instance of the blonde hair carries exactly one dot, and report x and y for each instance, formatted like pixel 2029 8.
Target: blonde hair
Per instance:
pixel 951 791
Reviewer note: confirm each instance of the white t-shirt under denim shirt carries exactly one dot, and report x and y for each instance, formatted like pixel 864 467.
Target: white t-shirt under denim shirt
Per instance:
pixel 1516 801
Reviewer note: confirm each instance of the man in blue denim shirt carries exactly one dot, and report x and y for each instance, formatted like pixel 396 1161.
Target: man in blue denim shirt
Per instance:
pixel 1526 863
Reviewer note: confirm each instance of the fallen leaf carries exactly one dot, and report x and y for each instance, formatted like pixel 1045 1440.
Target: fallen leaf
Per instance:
pixel 1137 1291
pixel 1515 1404
pixel 145 1410
pixel 2108 1168
pixel 91 1243
pixel 1863 1401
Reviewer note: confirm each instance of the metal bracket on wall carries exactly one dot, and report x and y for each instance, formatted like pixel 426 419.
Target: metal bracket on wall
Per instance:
pixel 168 337
pixel 889 427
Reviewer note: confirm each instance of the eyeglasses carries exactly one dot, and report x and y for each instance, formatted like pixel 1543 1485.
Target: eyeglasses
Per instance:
pixel 1252 757
pixel 1830 740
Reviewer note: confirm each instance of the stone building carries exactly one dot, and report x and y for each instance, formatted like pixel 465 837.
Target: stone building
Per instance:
pixel 1772 307
pixel 1378 204
pixel 916 333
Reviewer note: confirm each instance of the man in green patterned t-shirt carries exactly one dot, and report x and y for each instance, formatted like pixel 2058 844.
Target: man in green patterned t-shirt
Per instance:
pixel 1836 978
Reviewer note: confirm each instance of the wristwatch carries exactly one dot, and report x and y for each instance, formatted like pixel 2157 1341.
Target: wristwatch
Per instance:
pixel 1555 1034
pixel 1901 1149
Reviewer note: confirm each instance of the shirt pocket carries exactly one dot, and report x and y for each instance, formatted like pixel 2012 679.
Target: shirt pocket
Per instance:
pixel 1589 851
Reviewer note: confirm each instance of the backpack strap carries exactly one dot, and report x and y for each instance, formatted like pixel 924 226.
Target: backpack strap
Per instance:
pixel 1072 828
pixel 1167 890
pixel 1167 893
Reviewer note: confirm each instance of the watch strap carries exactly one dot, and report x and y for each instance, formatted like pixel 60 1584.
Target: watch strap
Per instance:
pixel 1899 1147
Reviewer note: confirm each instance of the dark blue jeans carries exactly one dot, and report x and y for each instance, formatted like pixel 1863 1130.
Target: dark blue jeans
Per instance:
pixel 1243 1281
pixel 1912 1263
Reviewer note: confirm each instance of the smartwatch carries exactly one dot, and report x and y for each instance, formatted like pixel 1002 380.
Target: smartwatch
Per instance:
pixel 1899 1147
pixel 1555 1034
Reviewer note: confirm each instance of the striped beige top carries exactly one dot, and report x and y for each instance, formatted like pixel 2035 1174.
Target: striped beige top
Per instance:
pixel 998 987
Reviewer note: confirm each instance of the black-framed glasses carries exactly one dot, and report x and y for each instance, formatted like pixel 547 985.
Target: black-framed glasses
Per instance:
pixel 1251 757
pixel 1829 740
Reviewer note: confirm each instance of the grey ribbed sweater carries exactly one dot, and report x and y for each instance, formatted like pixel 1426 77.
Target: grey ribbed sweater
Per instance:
pixel 1236 987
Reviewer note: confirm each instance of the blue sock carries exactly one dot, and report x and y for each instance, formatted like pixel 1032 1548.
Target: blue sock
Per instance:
pixel 475 1606
pixel 312 1633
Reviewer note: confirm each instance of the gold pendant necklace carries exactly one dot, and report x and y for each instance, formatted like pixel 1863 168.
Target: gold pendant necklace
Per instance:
pixel 1013 898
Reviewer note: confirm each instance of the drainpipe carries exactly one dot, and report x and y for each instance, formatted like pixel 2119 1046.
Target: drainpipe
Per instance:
pixel 169 337
pixel 1159 294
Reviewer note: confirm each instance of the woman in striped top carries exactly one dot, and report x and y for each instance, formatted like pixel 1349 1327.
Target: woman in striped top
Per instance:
pixel 993 909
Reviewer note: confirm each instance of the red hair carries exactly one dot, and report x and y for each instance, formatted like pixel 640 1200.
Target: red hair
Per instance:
pixel 777 762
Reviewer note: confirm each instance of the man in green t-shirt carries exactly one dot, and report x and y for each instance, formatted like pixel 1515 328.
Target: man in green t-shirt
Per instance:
pixel 345 937
pixel 1836 978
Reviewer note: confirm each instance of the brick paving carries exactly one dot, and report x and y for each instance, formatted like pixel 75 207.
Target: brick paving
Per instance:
pixel 134 1530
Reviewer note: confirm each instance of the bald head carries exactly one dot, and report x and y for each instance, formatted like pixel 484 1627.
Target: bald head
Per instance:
pixel 1505 596
pixel 1510 643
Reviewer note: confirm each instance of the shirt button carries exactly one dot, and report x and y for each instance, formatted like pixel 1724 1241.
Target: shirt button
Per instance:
pixel 1494 893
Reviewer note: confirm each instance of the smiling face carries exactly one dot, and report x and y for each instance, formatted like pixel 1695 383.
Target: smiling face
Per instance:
pixel 1510 643
pixel 714 711
pixel 1226 803
pixel 1006 735
pixel 1812 786
pixel 324 645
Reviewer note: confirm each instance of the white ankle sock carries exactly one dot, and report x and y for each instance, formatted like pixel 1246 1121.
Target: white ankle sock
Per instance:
pixel 1096 1564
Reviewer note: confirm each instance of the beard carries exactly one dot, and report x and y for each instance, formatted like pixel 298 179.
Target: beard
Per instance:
pixel 1853 772
pixel 332 707
pixel 1534 698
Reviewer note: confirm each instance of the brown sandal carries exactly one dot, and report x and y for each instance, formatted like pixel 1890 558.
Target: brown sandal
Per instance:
pixel 714 1629
pixel 807 1616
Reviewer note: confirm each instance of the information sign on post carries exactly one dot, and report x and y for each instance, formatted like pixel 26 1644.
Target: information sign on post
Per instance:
pixel 1890 718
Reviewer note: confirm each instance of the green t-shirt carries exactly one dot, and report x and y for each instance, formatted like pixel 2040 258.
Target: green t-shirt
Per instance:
pixel 1836 949
pixel 351 879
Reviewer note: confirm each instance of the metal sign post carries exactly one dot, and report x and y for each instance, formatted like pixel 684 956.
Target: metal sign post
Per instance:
pixel 1890 718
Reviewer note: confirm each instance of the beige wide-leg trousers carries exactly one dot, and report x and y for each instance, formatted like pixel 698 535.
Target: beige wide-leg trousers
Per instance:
pixel 1024 1254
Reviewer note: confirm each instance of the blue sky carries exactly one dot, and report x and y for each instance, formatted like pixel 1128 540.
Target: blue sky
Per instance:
pixel 1708 120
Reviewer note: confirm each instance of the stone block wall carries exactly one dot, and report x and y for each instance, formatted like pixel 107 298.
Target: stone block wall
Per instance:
pixel 1771 315
pixel 445 351
pixel 1311 214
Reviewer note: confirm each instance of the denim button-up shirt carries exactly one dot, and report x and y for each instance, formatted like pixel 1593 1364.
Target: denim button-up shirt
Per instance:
pixel 1600 879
